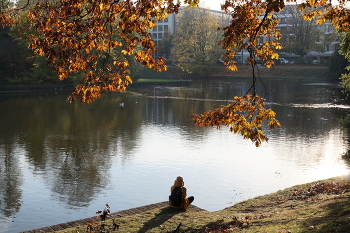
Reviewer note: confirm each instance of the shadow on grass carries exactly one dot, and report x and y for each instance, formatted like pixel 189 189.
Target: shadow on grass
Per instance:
pixel 164 215
pixel 336 219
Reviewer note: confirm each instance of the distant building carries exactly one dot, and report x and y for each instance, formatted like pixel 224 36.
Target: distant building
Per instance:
pixel 164 27
pixel 168 26
pixel 325 36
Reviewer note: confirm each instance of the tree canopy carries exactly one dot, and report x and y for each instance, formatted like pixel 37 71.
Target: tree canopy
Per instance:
pixel 96 39
pixel 79 36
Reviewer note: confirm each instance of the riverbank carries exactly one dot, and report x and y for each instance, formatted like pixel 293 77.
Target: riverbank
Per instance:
pixel 287 71
pixel 321 206
pixel 175 77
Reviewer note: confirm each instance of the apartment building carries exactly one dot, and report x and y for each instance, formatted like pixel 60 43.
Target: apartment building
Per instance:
pixel 168 25
pixel 164 27
pixel 287 25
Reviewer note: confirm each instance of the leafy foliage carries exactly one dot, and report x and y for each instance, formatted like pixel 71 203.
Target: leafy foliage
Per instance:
pixel 78 36
pixel 345 51
pixel 321 187
pixel 244 116
pixel 250 20
pixel 83 31
pixel 165 45
pixel 14 64
pixel 337 65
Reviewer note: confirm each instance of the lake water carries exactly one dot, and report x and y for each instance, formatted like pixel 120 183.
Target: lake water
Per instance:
pixel 61 162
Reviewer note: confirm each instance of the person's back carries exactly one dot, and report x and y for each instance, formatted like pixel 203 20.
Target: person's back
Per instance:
pixel 177 198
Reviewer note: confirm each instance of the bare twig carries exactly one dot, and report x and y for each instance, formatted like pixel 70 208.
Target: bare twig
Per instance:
pixel 177 228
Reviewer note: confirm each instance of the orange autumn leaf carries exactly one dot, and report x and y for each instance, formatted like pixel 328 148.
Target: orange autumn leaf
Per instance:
pixel 244 116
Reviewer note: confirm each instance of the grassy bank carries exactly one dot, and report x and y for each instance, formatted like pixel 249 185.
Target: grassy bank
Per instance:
pixel 322 206
pixel 174 74
pixel 277 71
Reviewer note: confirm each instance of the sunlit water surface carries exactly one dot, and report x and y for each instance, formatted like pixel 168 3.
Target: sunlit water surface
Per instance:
pixel 61 162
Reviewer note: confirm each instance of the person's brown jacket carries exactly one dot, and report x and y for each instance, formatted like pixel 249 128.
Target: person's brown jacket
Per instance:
pixel 185 201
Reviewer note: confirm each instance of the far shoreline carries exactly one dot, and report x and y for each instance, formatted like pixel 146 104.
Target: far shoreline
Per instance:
pixel 175 76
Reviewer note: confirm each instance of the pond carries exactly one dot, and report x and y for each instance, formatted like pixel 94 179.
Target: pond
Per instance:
pixel 61 162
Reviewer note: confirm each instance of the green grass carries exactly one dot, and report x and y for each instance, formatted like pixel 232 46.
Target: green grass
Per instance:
pixel 297 72
pixel 145 80
pixel 322 206
pixel 307 72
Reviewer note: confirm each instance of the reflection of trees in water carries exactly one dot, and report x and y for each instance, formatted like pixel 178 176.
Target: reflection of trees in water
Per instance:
pixel 77 175
pixel 10 179
pixel 304 122
pixel 47 128
pixel 174 106
pixel 346 155
pixel 346 158
pixel 310 120
pixel 88 133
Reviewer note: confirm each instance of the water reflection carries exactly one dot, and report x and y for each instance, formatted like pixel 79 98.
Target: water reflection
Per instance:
pixel 11 179
pixel 69 144
pixel 78 156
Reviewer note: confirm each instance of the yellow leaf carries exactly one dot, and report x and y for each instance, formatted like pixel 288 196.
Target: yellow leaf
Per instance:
pixel 278 46
pixel 274 56
pixel 127 77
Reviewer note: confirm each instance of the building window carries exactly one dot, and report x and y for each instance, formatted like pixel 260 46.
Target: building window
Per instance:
pixel 166 20
pixel 166 28
pixel 154 29
pixel 327 28
pixel 160 28
pixel 160 35
pixel 261 39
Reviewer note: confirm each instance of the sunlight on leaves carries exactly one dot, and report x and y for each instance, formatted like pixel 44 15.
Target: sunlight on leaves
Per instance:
pixel 245 116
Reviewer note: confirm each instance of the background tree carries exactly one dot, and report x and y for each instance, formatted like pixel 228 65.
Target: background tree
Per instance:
pixel 300 35
pixel 345 51
pixel 165 45
pixel 337 65
pixel 18 63
pixel 12 57
pixel 5 4
pixel 195 47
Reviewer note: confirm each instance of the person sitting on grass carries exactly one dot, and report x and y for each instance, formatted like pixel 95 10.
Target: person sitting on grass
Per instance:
pixel 177 198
